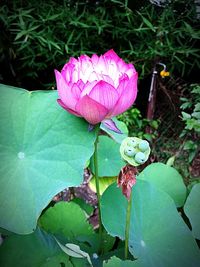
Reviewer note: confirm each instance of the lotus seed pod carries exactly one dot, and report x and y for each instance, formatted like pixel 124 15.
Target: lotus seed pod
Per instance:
pixel 130 148
pixel 132 142
pixel 140 157
pixel 130 151
pixel 143 145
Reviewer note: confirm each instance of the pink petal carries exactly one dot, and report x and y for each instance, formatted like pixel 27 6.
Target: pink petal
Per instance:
pixel 130 66
pixel 111 54
pixel 123 80
pixel 94 59
pixel 76 92
pixel 84 57
pixel 80 84
pixel 107 79
pixel 75 76
pixel 64 91
pixel 127 97
pixel 73 60
pixel 102 66
pixel 67 72
pixel 130 72
pixel 113 70
pixel 88 87
pixel 110 124
pixel 86 64
pixel 122 66
pixel 105 94
pixel 91 110
pixel 93 77
pixel 68 109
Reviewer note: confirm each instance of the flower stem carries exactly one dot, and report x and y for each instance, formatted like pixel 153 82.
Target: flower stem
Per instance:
pixel 97 189
pixel 127 229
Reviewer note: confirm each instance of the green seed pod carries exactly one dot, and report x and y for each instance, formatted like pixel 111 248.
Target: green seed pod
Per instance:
pixel 140 157
pixel 132 142
pixel 143 145
pixel 130 151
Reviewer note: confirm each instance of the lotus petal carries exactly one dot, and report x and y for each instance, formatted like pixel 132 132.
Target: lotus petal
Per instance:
pixel 105 94
pixel 110 124
pixel 127 97
pixel 64 91
pixel 91 110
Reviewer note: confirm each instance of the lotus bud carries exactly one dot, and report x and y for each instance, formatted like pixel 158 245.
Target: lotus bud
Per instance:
pixel 97 88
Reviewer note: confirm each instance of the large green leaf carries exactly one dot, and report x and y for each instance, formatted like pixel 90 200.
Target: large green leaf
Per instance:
pixel 167 179
pixel 158 235
pixel 66 219
pixel 43 149
pixel 116 262
pixel 192 209
pixel 34 250
pixel 88 208
pixel 109 159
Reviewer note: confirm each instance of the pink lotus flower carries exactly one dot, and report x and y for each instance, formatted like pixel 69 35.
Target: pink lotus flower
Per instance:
pixel 97 88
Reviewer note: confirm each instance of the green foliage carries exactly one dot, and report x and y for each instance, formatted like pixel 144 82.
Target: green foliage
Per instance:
pixel 156 226
pixel 67 220
pixel 38 36
pixel 110 161
pixel 75 251
pixel 192 209
pixel 191 117
pixel 167 179
pixel 84 206
pixel 116 262
pixel 43 150
pixel 191 110
pixel 178 135
pixel 35 250
pixel 137 124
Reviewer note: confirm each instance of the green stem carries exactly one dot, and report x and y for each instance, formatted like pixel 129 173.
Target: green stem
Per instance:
pixel 97 189
pixel 127 230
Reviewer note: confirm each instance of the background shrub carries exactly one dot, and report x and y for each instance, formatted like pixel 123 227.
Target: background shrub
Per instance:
pixel 38 36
